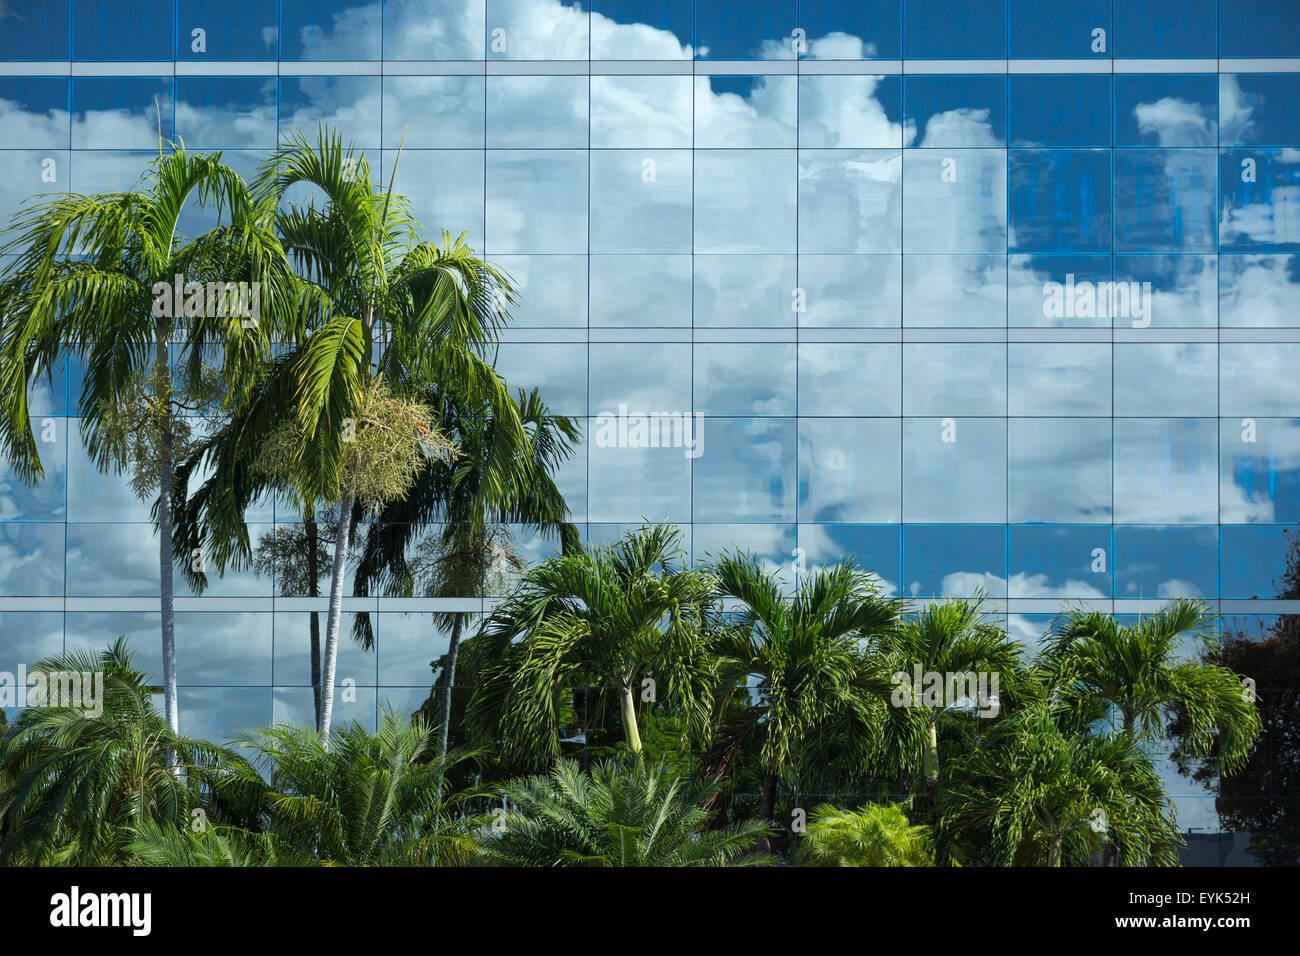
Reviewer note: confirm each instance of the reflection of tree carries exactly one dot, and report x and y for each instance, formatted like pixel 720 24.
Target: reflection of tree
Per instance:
pixel 295 557
pixel 1261 797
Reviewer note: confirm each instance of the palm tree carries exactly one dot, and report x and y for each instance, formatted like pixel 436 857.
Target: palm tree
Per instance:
pixel 77 782
pixel 1031 793
pixel 92 277
pixel 623 814
pixel 804 652
pixel 607 617
pixel 339 416
pixel 365 800
pixel 1138 670
pixel 1093 662
pixel 491 484
pixel 875 835
pixel 950 638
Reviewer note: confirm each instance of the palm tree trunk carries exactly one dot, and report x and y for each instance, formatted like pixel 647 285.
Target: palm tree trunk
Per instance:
pixel 449 681
pixel 930 759
pixel 166 587
pixel 630 731
pixel 1054 853
pixel 313 590
pixel 767 807
pixel 1110 852
pixel 335 613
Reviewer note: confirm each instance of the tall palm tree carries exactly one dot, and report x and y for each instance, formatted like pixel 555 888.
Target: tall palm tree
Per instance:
pixel 469 502
pixel 86 280
pixel 607 617
pixel 339 417
pixel 77 783
pixel 622 814
pixel 1093 662
pixel 803 650
pixel 1031 793
pixel 1140 671
pixel 363 800
pixel 952 637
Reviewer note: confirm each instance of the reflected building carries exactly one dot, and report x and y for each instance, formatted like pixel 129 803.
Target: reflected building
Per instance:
pixel 999 296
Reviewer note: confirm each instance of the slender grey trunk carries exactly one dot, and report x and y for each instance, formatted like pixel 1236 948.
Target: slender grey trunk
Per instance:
pixel 167 593
pixel 313 590
pixel 444 716
pixel 767 807
pixel 335 613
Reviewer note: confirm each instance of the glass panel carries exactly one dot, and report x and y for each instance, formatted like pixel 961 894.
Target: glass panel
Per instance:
pixel 120 112
pixel 231 30
pixel 641 29
pixel 434 29
pixel 1165 380
pixel 1164 200
pixel 423 112
pixel 1258 28
pixel 1166 28
pixel 746 471
pixel 34 30
pixel 744 379
pixel 646 111
pixel 1177 110
pixel 754 111
pixel 1059 378
pixel 948 379
pixel 954 29
pixel 849 470
pixel 537 111
pixel 1260 479
pixel 759 30
pixel 833 291
pixel 875 549
pixel 1059 291
pixel 955 202
pixel 1256 193
pixel 34 111
pixel 536 201
pixel 350 104
pixel 641 201
pixel 955 111
pixel 1254 560
pixel 1046 28
pixel 745 200
pixel 751 291
pixel 849 201
pixel 33 559
pixel 955 470
pixel 961 291
pixel 641 291
pixel 121 29
pixel 1261 291
pixel 1166 471
pixel 1257 379
pixel 866 30
pixel 1060 110
pixel 954 561
pixel 1060 200
pixel 643 376
pixel 843 378
pixel 1059 470
pixel 228 112
pixel 1163 563
pixel 1069 563
pixel 521 30
pixel 552 290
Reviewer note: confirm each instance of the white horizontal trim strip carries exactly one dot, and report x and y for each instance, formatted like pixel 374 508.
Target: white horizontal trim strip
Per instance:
pixel 474 606
pixel 648 67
